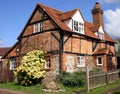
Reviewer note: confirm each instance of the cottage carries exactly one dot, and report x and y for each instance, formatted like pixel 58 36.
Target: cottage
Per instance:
pixel 69 40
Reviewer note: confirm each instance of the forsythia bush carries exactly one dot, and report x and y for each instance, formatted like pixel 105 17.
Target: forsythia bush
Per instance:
pixel 31 70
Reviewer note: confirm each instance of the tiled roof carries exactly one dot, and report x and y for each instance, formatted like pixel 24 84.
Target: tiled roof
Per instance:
pixel 108 38
pixel 4 50
pixel 68 14
pixel 94 28
pixel 59 17
pixel 54 14
pixel 88 31
pixel 102 51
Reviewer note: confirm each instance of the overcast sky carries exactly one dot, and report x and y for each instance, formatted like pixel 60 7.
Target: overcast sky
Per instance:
pixel 15 13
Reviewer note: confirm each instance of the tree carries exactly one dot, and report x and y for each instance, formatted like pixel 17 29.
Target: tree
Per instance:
pixel 31 70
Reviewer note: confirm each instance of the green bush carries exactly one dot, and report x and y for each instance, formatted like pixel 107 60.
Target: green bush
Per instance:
pixel 96 71
pixel 31 70
pixel 76 79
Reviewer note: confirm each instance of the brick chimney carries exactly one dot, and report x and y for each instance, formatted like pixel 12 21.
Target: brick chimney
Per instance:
pixel 97 13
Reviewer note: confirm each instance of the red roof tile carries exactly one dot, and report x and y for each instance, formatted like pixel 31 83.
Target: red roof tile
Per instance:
pixel 68 14
pixel 4 50
pixel 103 51
pixel 95 28
pixel 54 14
pixel 88 31
pixel 58 17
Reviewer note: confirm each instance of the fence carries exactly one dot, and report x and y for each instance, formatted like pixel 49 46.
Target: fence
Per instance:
pixel 100 79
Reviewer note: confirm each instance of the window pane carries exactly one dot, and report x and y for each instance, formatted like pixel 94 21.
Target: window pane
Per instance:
pixel 12 64
pixel 80 61
pixel 47 63
pixel 99 60
pixel 38 27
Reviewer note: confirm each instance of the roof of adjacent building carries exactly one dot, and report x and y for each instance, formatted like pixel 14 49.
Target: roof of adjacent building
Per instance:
pixel 4 50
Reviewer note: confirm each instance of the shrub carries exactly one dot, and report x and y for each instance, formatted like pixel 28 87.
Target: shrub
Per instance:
pixel 31 70
pixel 76 79
pixel 96 71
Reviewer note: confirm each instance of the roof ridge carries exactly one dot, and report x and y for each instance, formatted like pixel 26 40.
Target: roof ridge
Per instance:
pixel 43 6
pixel 68 14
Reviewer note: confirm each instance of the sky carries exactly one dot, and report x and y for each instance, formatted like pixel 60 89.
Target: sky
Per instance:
pixel 15 13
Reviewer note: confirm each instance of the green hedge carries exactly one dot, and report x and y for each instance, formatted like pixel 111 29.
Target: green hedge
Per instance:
pixel 76 79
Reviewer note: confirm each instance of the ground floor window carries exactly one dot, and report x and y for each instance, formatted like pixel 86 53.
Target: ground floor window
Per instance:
pixel 12 63
pixel 99 61
pixel 80 61
pixel 47 63
pixel 0 64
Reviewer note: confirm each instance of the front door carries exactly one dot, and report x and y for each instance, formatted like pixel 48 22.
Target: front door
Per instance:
pixel 109 62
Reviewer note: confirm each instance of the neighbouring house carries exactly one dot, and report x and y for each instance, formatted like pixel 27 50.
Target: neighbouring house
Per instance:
pixel 3 62
pixel 69 40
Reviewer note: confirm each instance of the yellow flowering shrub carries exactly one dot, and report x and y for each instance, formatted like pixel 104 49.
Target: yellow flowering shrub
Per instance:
pixel 31 70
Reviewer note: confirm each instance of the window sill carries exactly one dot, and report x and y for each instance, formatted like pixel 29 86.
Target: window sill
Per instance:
pixel 100 65
pixel 12 69
pixel 47 69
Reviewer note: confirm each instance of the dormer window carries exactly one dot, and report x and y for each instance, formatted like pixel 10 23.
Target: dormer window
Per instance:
pixel 101 35
pixel 38 27
pixel 78 26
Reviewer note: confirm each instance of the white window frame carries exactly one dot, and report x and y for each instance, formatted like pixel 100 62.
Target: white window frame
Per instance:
pixel 80 61
pixel 98 64
pixel 38 27
pixel 47 63
pixel 101 35
pixel 78 26
pixel 0 58
pixel 13 64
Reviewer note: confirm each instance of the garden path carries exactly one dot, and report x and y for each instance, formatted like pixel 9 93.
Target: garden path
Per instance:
pixel 7 91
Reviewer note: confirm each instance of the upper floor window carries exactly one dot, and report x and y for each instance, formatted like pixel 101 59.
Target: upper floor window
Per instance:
pixel 101 35
pixel 12 63
pixel 80 61
pixel 78 26
pixel 38 27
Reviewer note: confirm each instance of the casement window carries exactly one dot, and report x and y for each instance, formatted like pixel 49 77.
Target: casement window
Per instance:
pixel 12 63
pixel 101 36
pixel 47 63
pixel 38 27
pixel 99 61
pixel 0 58
pixel 80 61
pixel 78 26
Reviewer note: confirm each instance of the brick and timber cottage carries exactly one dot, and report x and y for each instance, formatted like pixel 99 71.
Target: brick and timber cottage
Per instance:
pixel 69 40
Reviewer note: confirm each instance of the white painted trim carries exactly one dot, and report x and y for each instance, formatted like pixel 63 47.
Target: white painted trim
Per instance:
pixel 101 61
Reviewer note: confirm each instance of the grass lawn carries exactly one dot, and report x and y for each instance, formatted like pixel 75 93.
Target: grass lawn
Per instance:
pixel 102 89
pixel 37 89
pixel 68 90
